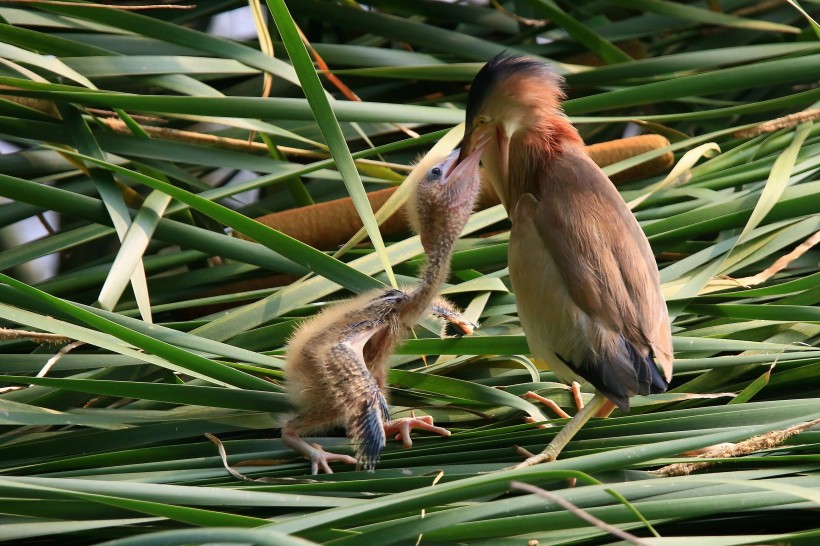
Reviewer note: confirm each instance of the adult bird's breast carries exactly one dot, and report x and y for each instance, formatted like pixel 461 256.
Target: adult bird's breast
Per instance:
pixel 556 328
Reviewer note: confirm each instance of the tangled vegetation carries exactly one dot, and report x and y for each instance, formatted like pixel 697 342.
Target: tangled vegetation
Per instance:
pixel 145 146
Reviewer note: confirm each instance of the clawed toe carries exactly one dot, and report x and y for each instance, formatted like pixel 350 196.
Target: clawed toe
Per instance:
pixel 402 427
pixel 466 326
pixel 543 457
pixel 546 456
pixel 532 420
pixel 547 402
pixel 319 459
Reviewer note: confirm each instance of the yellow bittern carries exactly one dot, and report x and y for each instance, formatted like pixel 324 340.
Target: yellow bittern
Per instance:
pixel 336 363
pixel 585 279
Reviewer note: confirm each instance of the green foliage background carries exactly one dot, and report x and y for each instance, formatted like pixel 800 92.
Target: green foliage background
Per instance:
pixel 109 446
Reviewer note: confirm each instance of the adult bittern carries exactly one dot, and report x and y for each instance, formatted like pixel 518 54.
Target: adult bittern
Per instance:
pixel 586 282
pixel 336 363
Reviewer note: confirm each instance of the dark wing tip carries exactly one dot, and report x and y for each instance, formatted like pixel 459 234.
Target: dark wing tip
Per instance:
pixel 368 429
pixel 650 379
pixel 624 375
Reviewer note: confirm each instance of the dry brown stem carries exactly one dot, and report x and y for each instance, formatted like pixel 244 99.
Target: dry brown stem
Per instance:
pixel 760 7
pixel 779 264
pixel 518 19
pixel 233 144
pixel 338 83
pixel 8 334
pixel 780 123
pixel 726 451
pixel 239 476
pixel 580 512
pixel 64 350
pixel 40 338
pixel 44 106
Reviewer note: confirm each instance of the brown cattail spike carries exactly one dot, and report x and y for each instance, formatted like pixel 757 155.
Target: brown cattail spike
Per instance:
pixel 328 225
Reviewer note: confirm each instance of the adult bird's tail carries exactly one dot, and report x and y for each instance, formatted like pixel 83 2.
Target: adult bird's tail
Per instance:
pixel 367 426
pixel 625 374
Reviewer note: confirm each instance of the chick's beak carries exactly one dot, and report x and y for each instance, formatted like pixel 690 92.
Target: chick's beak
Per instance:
pixel 461 180
pixel 466 163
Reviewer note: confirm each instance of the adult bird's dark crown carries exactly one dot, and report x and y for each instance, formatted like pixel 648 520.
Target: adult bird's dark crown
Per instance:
pixel 498 70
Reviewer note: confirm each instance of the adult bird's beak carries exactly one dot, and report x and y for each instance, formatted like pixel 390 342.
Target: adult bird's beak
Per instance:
pixel 502 145
pixel 468 143
pixel 495 139
pixel 464 163
pixel 462 178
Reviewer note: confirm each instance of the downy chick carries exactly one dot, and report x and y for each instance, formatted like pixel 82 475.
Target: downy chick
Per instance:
pixel 336 362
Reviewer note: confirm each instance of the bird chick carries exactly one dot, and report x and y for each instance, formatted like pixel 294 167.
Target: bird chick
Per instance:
pixel 586 282
pixel 336 363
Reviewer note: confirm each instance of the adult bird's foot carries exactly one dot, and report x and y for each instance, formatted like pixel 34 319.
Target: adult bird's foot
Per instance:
pixel 532 420
pixel 598 403
pixel 547 456
pixel 319 459
pixel 575 389
pixel 536 459
pixel 402 427
pixel 547 402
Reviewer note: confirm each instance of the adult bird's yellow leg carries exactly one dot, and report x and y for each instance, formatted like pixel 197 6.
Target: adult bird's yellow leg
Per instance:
pixel 551 404
pixel 576 395
pixel 566 434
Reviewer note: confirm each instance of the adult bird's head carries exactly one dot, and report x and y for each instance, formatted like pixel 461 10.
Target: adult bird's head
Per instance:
pixel 512 98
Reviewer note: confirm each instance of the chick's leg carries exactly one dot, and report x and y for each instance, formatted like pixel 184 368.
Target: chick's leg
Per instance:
pixel 319 458
pixel 401 428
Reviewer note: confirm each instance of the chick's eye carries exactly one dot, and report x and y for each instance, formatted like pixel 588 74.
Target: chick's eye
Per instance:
pixel 435 171
pixel 482 121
